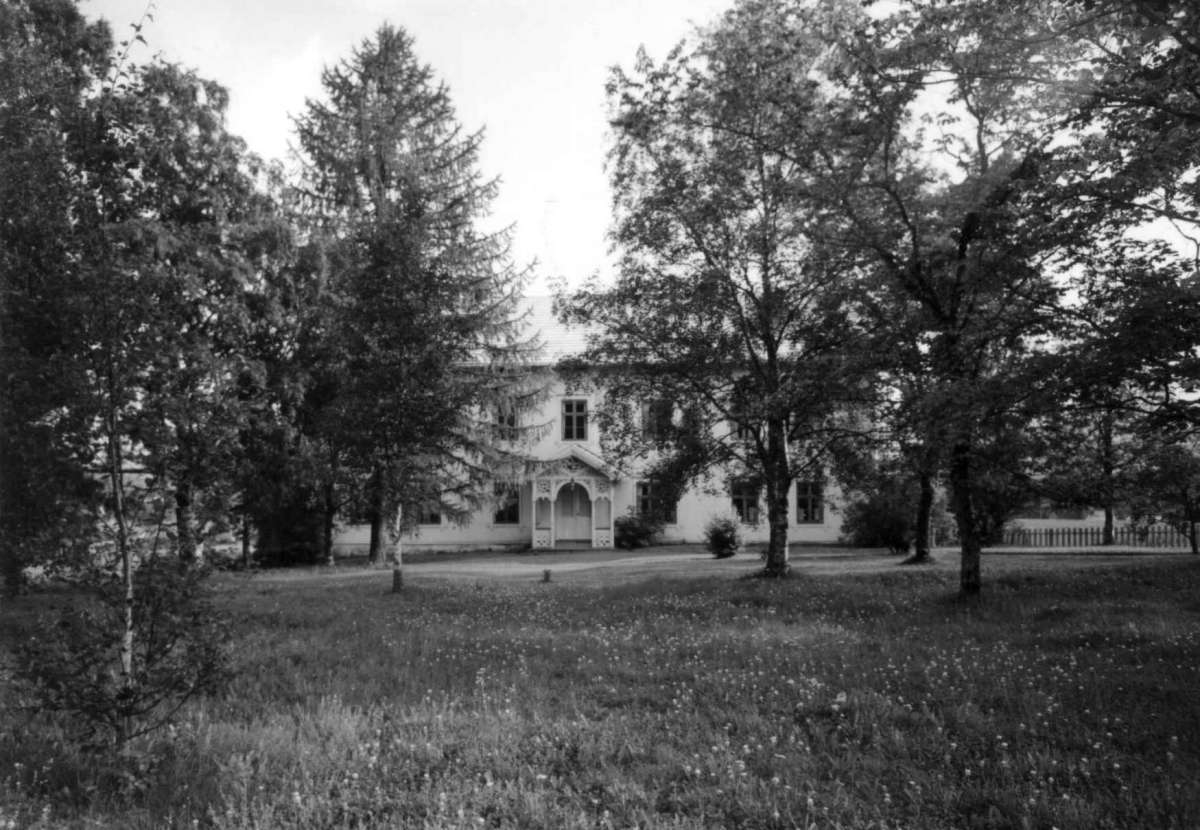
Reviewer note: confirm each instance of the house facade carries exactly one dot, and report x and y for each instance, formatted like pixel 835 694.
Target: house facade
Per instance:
pixel 570 495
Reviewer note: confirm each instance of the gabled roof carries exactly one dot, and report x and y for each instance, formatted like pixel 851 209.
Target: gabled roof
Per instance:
pixel 558 339
pixel 583 456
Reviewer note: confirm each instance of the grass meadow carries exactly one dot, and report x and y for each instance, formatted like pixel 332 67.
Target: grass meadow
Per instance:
pixel 1067 698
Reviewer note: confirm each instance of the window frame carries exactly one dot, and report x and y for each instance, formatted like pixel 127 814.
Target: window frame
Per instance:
pixel 658 418
pixel 508 422
pixel 810 500
pixel 508 500
pixel 746 500
pixel 575 421
pixel 746 433
pixel 645 499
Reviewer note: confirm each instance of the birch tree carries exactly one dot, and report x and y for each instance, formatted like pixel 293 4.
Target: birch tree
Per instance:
pixel 727 300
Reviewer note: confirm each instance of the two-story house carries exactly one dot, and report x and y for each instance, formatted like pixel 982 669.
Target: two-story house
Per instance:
pixel 570 494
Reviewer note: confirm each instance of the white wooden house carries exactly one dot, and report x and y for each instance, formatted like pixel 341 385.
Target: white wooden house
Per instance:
pixel 570 494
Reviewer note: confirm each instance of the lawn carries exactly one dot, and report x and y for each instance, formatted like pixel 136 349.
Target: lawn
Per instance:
pixel 1067 698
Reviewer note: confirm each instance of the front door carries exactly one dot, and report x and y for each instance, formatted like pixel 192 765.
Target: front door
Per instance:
pixel 573 514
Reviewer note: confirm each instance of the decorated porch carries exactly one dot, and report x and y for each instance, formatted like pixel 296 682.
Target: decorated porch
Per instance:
pixel 572 500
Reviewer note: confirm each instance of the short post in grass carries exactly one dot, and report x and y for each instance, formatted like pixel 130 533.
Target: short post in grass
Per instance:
pixel 397 554
pixel 546 575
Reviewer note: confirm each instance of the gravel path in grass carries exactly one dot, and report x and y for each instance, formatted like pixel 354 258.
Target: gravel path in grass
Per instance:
pixel 693 560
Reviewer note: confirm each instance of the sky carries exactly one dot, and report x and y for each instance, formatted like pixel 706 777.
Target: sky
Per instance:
pixel 530 72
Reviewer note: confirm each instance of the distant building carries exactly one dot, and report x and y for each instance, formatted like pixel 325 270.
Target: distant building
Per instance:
pixel 569 494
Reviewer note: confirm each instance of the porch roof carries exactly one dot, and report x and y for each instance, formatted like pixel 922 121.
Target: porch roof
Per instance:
pixel 577 453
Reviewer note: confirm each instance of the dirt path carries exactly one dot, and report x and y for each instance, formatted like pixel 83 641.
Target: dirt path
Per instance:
pixel 693 560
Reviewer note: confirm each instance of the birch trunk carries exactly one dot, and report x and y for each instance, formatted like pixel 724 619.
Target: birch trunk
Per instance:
pixel 117 481
pixel 397 554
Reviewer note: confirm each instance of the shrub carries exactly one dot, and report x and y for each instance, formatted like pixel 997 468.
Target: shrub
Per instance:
pixel 73 663
pixel 722 537
pixel 883 519
pixel 635 531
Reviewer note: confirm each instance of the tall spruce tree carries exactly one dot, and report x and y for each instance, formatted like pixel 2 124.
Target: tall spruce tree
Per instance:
pixel 427 344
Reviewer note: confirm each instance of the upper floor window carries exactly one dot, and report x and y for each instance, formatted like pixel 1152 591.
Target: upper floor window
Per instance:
pixel 810 501
pixel 744 495
pixel 656 419
pixel 650 502
pixel 574 419
pixel 745 432
pixel 508 504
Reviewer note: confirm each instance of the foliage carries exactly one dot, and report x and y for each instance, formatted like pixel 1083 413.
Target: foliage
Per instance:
pixel 942 118
pixel 730 305
pixel 290 533
pixel 882 518
pixel 202 237
pixel 72 660
pixel 126 334
pixel 1168 488
pixel 424 343
pixel 635 530
pixel 49 57
pixel 722 537
pixel 1140 115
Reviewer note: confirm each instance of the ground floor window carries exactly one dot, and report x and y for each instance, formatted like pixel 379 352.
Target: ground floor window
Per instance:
pixel 656 419
pixel 652 501
pixel 508 504
pixel 429 514
pixel 810 501
pixel 745 501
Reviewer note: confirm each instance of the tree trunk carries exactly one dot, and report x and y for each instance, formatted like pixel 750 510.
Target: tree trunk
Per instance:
pixel 375 552
pixel 185 523
pixel 10 562
pixel 329 503
pixel 778 483
pixel 1107 467
pixel 397 553
pixel 246 541
pixel 777 518
pixel 11 565
pixel 117 481
pixel 961 481
pixel 1189 507
pixel 924 521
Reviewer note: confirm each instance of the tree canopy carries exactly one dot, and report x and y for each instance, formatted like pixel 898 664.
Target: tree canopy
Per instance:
pixel 427 335
pixel 729 304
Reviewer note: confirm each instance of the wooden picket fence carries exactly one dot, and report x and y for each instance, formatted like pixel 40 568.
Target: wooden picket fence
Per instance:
pixel 1158 536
